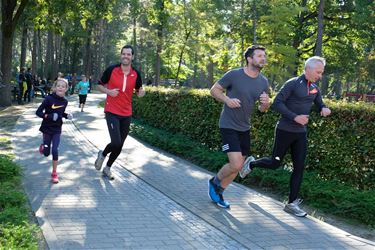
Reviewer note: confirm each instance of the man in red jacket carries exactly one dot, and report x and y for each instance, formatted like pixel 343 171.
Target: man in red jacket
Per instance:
pixel 118 82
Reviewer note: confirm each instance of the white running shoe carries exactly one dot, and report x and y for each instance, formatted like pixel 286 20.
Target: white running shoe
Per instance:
pixel 293 208
pixel 245 170
pixel 107 172
pixel 99 160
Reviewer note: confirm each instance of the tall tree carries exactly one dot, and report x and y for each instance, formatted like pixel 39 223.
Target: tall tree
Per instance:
pixel 23 45
pixel 34 52
pixel 319 38
pixel 11 11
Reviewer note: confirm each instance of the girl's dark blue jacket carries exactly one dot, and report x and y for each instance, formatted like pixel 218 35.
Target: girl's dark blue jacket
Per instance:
pixel 52 104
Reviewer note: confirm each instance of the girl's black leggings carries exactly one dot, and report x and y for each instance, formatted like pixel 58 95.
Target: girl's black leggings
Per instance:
pixel 53 139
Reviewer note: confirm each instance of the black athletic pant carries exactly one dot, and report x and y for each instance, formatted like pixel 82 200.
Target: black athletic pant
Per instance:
pixel 27 94
pixel 20 92
pixel 297 142
pixel 118 127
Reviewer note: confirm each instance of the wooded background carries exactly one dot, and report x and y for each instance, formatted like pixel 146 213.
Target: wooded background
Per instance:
pixel 189 43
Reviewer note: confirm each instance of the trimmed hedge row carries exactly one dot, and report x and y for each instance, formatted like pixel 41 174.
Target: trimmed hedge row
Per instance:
pixel 341 147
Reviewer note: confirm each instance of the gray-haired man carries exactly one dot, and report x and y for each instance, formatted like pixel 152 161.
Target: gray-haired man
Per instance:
pixel 294 103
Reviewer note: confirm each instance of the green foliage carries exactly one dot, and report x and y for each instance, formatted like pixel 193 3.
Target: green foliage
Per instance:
pixel 179 109
pixel 8 169
pixel 340 146
pixel 17 237
pixel 178 144
pixel 15 231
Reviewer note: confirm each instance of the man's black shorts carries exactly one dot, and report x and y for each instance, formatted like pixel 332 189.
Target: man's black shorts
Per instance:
pixel 235 141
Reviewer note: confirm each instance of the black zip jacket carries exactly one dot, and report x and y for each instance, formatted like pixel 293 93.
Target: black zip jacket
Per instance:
pixel 296 97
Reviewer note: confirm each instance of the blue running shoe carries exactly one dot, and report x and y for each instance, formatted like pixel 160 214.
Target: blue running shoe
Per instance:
pixel 222 203
pixel 213 191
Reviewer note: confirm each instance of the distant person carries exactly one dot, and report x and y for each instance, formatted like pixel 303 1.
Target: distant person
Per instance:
pixel 52 110
pixel 294 103
pixel 21 83
pixel 90 84
pixel 118 82
pixel 83 88
pixel 74 82
pixel 239 89
pixel 48 86
pixel 29 85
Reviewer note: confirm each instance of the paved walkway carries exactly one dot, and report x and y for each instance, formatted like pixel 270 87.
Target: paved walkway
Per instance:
pixel 157 201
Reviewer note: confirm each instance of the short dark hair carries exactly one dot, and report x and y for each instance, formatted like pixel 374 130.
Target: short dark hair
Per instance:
pixel 250 51
pixel 128 47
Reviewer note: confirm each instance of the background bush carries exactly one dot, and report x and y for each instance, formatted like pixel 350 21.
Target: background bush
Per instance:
pixel 341 147
pixel 15 230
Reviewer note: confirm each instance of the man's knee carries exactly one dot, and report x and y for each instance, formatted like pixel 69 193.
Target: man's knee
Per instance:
pixel 236 166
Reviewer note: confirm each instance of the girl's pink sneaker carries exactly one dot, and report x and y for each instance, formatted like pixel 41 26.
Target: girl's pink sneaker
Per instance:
pixel 54 178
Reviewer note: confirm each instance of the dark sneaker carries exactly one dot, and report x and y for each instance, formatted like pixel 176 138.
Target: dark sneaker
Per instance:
pixel 99 160
pixel 107 172
pixel 246 167
pixel 222 203
pixel 293 208
pixel 213 191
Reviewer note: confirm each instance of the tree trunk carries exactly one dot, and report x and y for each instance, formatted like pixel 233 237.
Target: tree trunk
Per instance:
pixel 195 70
pixel 56 61
pixel 324 87
pixel 49 56
pixel 242 34
pixel 34 59
pixel 157 63
pixel 135 37
pixel 179 64
pixel 255 17
pixel 8 25
pixel 1 45
pixel 5 88
pixel 87 58
pixel 40 56
pixel 210 71
pixel 23 46
pixel 298 38
pixel 319 39
pixel 159 45
pixel 187 36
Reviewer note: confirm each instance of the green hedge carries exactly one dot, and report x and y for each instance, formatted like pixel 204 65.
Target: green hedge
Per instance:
pixel 341 147
pixel 15 230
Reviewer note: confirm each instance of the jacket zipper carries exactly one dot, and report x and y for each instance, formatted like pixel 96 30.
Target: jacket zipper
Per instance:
pixel 124 83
